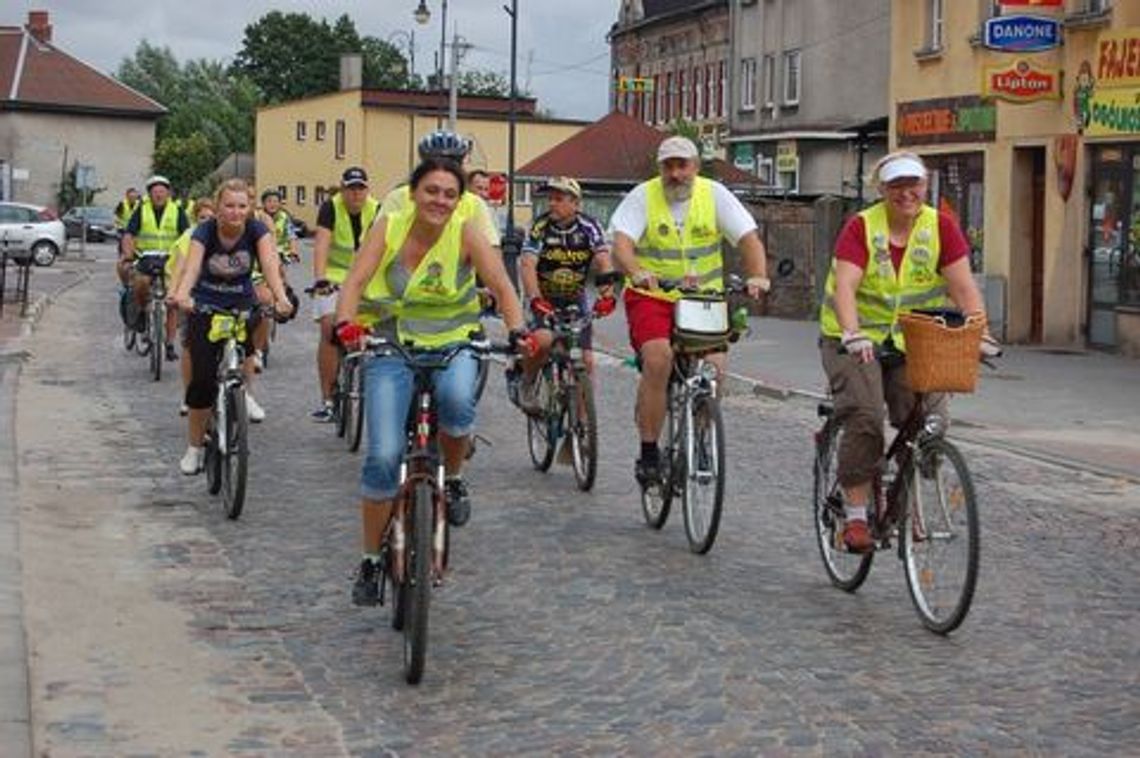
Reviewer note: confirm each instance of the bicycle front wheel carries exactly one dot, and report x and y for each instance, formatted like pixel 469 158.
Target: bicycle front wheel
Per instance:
pixel 354 407
pixel 846 570
pixel 157 338
pixel 481 378
pixel 584 432
pixel 940 537
pixel 702 496
pixel 340 397
pixel 541 431
pixel 235 465
pixel 417 583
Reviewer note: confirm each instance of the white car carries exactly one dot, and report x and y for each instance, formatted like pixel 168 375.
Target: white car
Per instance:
pixel 31 230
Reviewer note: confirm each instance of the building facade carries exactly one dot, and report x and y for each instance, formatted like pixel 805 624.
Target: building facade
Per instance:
pixel 1036 149
pixel 669 62
pixel 809 96
pixel 56 111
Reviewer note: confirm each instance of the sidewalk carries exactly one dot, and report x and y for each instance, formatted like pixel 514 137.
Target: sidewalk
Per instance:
pixel 1074 408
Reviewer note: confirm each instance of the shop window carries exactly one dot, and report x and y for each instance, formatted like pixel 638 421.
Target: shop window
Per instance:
pixel 956 187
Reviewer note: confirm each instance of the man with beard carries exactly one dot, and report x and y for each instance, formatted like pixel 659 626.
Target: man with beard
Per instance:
pixel 670 227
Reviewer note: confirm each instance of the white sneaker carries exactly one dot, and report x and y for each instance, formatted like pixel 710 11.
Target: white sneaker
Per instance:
pixel 183 409
pixel 192 461
pixel 254 411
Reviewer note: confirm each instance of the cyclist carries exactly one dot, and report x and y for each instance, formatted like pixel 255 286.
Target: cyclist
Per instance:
pixel 203 211
pixel 219 272
pixel 342 223
pixel 156 224
pixel 670 227
pixel 479 183
pixel 562 246
pixel 420 263
pixel 895 256
pixel 125 208
pixel 279 220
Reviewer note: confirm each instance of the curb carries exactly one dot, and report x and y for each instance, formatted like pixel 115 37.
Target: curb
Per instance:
pixel 37 309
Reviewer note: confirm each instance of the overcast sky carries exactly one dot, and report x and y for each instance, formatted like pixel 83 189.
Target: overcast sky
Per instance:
pixel 562 53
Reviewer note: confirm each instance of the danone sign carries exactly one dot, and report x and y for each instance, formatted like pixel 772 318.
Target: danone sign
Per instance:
pixel 1021 82
pixel 1108 100
pixel 945 120
pixel 1022 34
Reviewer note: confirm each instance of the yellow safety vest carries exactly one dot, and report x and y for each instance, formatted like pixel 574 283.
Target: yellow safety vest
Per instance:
pixel 667 254
pixel 440 306
pixel 342 248
pixel 883 294
pixel 151 236
pixel 178 252
pixel 123 212
pixel 281 231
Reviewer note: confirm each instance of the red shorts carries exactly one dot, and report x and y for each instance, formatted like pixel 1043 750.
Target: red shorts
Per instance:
pixel 649 318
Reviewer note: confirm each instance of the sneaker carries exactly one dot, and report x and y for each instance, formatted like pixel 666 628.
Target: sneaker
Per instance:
pixel 140 321
pixel 254 411
pixel 258 361
pixel 171 353
pixel 857 537
pixel 324 414
pixel 647 471
pixel 192 462
pixel 528 396
pixel 458 504
pixel 183 409
pixel 366 585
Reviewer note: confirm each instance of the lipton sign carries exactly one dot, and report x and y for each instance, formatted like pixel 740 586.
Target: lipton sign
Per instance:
pixel 1021 82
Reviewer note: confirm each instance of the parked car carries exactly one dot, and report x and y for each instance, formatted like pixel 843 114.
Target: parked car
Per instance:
pixel 31 230
pixel 100 223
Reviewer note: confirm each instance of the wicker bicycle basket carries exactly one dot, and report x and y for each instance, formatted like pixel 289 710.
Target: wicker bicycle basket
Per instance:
pixel 941 357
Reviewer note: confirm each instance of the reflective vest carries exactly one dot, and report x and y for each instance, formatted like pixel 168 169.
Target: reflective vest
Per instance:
pixel 342 247
pixel 178 252
pixel 440 305
pixel 123 212
pixel 151 235
pixel 281 230
pixel 883 294
pixel 667 254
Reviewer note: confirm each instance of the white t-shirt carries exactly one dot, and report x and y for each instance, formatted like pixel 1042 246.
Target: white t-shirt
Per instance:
pixel 732 219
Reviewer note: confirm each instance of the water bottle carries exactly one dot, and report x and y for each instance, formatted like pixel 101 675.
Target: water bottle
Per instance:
pixel 739 322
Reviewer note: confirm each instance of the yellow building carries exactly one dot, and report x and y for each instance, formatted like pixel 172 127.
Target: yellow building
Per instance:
pixel 304 145
pixel 1037 151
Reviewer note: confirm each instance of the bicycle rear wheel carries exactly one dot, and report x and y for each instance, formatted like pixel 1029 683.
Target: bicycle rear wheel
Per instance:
pixel 213 464
pixel 940 537
pixel 702 496
pixel 584 432
pixel 481 377
pixel 353 406
pixel 657 499
pixel 157 338
pixel 235 463
pixel 846 570
pixel 340 395
pixel 417 583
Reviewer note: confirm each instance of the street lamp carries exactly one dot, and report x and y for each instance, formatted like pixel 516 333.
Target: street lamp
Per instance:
pixel 422 15
pixel 409 39
pixel 512 245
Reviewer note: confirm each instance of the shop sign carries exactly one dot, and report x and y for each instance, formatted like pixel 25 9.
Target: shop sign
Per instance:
pixel 1022 34
pixel 787 163
pixel 744 157
pixel 945 120
pixel 786 147
pixel 1113 112
pixel 1118 58
pixel 1021 82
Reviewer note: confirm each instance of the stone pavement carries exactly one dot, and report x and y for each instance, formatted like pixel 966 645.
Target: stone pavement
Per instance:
pixel 565 627
pixel 1074 408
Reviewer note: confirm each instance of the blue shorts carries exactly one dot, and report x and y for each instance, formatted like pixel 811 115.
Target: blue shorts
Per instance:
pixel 388 388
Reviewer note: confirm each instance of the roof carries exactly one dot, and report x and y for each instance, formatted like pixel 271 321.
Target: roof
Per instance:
pixel 616 149
pixel 36 75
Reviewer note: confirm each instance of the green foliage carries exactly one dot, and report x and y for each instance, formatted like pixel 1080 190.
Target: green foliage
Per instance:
pixel 70 196
pixel 185 161
pixel 475 82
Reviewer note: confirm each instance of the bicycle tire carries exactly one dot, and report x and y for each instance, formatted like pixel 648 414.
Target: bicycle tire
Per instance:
pixel 212 464
pixel 418 582
pixel 846 570
pixel 706 430
pixel 540 430
pixel 157 339
pixel 656 501
pixel 235 466
pixel 481 377
pixel 339 397
pixel 129 337
pixel 584 432
pixel 925 528
pixel 354 407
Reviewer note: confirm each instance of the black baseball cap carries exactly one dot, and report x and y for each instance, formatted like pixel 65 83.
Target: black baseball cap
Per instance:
pixel 354 177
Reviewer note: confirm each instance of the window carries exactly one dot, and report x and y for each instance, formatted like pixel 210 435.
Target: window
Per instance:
pixel 770 81
pixel 662 95
pixel 989 9
pixel 698 94
pixel 766 170
pixel 721 89
pixel 748 84
pixel 1097 6
pixel 302 131
pixel 522 193
pixel 300 197
pixel 792 77
pixel 683 92
pixel 669 97
pixel 320 131
pixel 934 25
pixel 710 109
pixel 651 113
pixel 283 192
pixel 340 138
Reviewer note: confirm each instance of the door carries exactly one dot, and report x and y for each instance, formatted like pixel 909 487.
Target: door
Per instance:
pixel 1037 251
pixel 15 226
pixel 1107 241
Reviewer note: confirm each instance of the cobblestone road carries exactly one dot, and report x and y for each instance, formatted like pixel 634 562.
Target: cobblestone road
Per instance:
pixel 566 626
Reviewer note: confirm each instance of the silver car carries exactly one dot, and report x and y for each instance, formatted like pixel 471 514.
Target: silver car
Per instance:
pixel 31 230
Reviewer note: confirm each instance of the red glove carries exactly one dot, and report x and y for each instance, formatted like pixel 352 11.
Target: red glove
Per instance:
pixel 604 307
pixel 541 307
pixel 350 334
pixel 523 342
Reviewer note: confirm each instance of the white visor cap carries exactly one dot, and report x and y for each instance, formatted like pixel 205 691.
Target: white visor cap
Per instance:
pixel 903 167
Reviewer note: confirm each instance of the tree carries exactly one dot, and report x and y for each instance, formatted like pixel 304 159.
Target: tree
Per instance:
pixel 490 83
pixel 185 161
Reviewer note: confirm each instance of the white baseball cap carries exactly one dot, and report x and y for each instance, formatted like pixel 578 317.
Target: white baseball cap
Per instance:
pixel 902 167
pixel 677 147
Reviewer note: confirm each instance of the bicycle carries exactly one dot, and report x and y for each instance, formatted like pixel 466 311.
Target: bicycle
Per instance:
pixel 152 263
pixel 348 399
pixel 138 328
pixel 286 261
pixel 929 502
pixel 227 435
pixel 418 538
pixel 566 395
pixel 692 458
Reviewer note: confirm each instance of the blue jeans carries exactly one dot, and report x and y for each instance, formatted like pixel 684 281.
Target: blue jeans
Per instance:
pixel 388 388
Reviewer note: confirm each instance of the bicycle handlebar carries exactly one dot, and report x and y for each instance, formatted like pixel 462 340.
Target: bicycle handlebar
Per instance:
pixel 209 310
pixel 427 357
pixel 734 286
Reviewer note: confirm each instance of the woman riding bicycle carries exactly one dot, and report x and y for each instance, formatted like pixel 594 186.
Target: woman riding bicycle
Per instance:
pixel 895 256
pixel 415 272
pixel 218 272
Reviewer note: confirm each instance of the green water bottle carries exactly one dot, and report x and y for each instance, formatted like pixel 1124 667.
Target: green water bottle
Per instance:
pixel 739 322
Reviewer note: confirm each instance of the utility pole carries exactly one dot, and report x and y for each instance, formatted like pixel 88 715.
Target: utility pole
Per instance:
pixel 511 244
pixel 458 49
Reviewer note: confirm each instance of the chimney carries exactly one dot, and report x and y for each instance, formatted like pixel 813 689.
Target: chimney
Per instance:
pixel 39 26
pixel 351 71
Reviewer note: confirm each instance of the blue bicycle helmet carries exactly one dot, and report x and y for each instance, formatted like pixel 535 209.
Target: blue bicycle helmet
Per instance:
pixel 443 144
